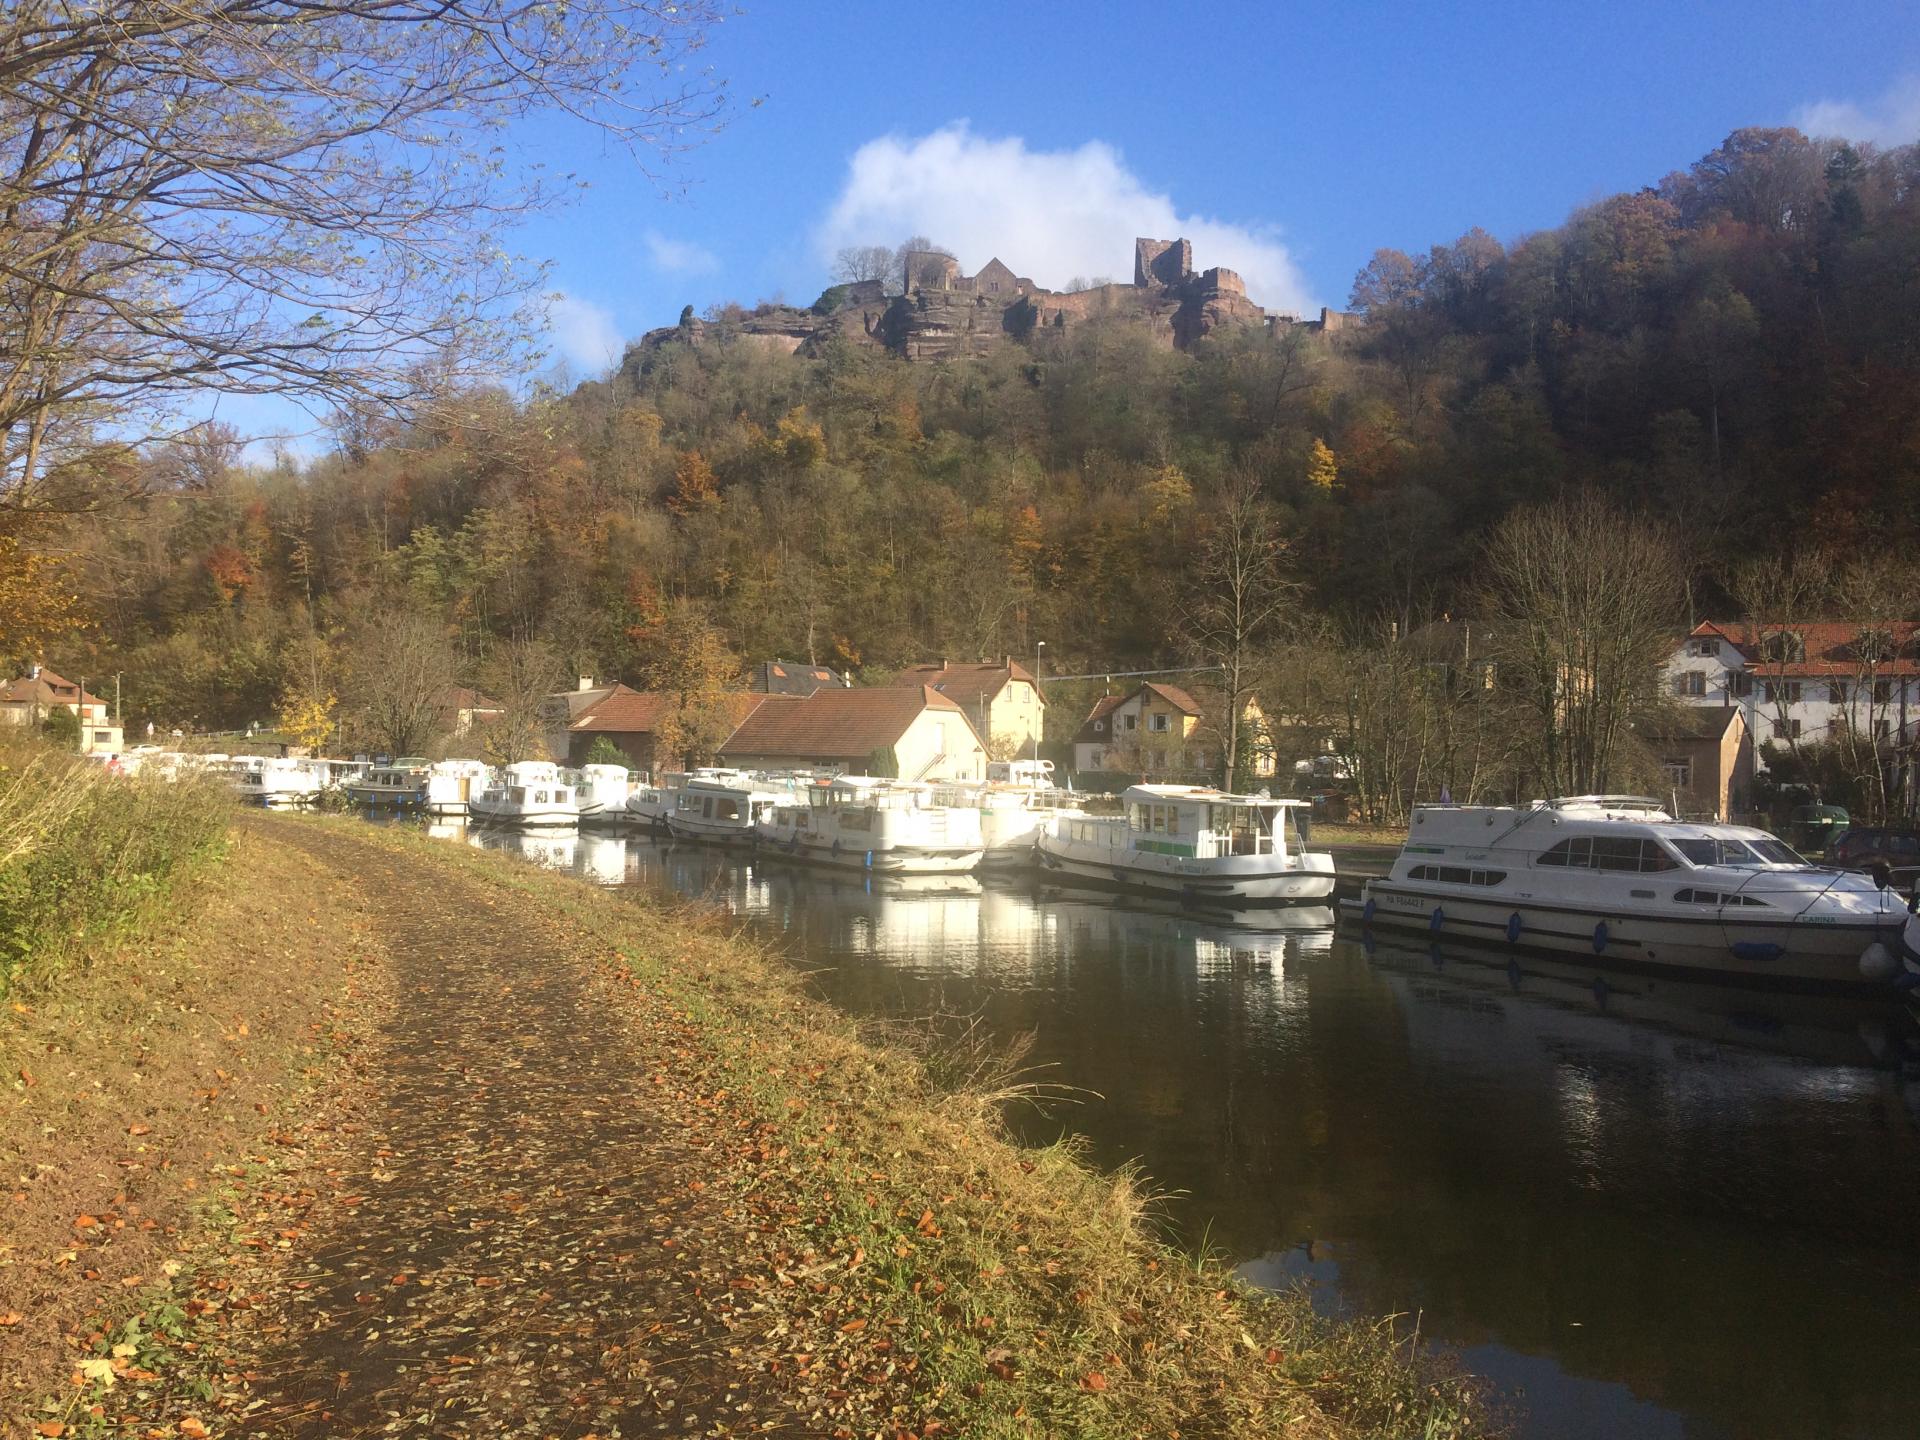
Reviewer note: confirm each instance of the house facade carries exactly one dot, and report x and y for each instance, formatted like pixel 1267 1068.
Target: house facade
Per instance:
pixel 1162 732
pixel 1706 758
pixel 914 733
pixel 1803 683
pixel 1001 698
pixel 31 698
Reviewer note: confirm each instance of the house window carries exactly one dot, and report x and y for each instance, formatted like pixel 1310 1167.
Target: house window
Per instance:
pixel 1708 648
pixel 1679 773
pixel 1099 727
pixel 1882 692
pixel 1693 683
pixel 1791 729
pixel 1158 723
pixel 1837 691
pixel 1783 691
pixel 1133 722
pixel 1742 684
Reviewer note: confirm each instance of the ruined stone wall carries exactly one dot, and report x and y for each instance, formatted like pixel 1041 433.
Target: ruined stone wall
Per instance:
pixel 1161 262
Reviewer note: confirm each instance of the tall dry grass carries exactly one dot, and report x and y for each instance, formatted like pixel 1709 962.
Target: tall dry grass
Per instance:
pixel 85 854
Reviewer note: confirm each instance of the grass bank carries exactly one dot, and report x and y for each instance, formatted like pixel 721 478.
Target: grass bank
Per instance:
pixel 86 856
pixel 914 1271
pixel 138 1090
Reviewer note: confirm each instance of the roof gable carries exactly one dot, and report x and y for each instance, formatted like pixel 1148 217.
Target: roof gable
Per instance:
pixel 836 724
pixel 969 684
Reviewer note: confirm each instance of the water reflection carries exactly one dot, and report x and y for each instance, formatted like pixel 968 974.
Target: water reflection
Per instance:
pixel 1656 1209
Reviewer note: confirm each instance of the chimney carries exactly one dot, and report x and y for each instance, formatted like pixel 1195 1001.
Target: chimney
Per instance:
pixel 1006 662
pixel 586 682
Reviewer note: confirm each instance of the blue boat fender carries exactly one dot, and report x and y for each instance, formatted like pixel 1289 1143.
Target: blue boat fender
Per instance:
pixel 1437 919
pixel 1366 911
pixel 1514 926
pixel 1600 937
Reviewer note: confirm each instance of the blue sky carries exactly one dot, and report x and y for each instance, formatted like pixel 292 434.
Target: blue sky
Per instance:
pixel 1289 140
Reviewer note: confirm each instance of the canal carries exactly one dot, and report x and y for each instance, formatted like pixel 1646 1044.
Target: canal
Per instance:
pixel 1644 1210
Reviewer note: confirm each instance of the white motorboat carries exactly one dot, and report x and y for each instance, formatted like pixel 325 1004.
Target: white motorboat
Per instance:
pixel 532 793
pixel 1616 881
pixel 275 782
pixel 602 792
pixel 648 803
pixel 867 823
pixel 452 784
pixel 1012 815
pixel 401 785
pixel 724 805
pixel 1192 841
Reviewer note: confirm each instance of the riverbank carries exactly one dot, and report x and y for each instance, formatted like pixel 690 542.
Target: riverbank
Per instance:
pixel 605 1167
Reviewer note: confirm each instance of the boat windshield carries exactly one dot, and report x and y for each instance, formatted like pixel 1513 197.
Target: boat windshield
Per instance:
pixel 1725 850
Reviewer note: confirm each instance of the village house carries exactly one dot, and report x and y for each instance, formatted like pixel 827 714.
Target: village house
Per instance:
pixel 1162 732
pixel 1001 698
pixel 1803 683
pixel 462 708
pixel 630 720
pixel 1706 758
pixel 30 699
pixel 912 732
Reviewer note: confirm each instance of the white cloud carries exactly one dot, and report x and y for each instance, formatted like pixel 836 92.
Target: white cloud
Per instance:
pixel 1051 214
pixel 679 257
pixel 583 332
pixel 1891 119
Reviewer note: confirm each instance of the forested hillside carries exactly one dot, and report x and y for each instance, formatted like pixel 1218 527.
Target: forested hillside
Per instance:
pixel 1735 350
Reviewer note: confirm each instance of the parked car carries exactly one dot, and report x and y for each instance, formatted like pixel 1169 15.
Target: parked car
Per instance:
pixel 1814 828
pixel 1861 847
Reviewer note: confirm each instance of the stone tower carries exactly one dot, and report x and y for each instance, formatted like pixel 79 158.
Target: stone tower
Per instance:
pixel 1161 262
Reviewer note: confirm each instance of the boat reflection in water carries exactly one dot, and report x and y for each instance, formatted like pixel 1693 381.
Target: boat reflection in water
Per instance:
pixel 1655 1208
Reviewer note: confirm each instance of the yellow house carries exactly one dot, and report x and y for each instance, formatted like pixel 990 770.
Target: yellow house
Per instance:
pixel 1163 731
pixel 1001 698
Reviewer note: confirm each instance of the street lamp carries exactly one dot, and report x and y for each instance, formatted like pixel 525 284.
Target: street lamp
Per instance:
pixel 1039 720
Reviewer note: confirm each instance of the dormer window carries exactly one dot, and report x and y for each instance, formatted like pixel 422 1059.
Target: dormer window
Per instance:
pixel 1705 647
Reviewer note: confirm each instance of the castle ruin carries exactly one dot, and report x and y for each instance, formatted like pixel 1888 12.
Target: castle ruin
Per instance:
pixel 943 313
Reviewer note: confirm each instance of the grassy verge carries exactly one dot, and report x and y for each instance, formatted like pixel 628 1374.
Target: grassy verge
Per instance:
pixel 140 1100
pixel 915 1271
pixel 85 856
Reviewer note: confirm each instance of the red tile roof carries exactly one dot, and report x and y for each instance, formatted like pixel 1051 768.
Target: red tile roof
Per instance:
pixel 1828 647
pixel 626 711
pixel 969 684
pixel 47 689
pixel 834 724
pixel 462 697
pixel 1174 696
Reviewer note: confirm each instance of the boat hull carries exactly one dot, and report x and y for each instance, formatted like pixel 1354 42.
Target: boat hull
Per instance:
pixel 524 817
pixel 1251 878
pixel 384 799
pixel 708 831
pixel 1779 954
pixel 886 860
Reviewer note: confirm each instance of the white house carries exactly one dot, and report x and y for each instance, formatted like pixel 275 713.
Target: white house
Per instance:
pixel 1805 682
pixel 30 699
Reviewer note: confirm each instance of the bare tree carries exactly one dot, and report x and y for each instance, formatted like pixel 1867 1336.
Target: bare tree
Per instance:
pixel 1779 597
pixel 1241 588
pixel 1585 600
pixel 297 197
pixel 855 263
pixel 397 682
pixel 519 676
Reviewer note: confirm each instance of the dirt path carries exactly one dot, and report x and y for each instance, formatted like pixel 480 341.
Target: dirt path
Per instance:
pixel 512 1242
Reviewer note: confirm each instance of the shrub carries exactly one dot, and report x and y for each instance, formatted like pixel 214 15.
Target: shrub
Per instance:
pixel 85 853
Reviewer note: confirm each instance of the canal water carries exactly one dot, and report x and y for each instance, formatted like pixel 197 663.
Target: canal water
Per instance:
pixel 1643 1209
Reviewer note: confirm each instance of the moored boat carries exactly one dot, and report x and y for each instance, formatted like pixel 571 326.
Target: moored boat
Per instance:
pixel 1012 815
pixel 401 785
pixel 866 823
pixel 532 793
pixel 724 805
pixel 1192 841
pixel 1617 881
pixel 602 791
pixel 275 782
pixel 452 784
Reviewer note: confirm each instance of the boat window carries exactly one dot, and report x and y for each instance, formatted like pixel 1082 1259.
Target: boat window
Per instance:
pixel 1776 852
pixel 1173 819
pixel 1715 850
pixel 727 809
pixel 1577 852
pixel 706 807
pixel 1456 875
pixel 1611 853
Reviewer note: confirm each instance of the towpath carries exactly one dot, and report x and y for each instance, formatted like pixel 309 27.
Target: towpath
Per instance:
pixel 512 1242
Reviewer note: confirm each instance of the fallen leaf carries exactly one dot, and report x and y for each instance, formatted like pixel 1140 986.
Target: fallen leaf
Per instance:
pixel 1093 1380
pixel 10 1319
pixel 193 1428
pixel 52 1429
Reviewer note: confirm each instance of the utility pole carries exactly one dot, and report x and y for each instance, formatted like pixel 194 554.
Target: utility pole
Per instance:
pixel 1038 646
